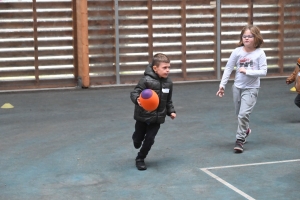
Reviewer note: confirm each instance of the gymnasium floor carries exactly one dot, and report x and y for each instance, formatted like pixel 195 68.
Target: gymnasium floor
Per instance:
pixel 76 144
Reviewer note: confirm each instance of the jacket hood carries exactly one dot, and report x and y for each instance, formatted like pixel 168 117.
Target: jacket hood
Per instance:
pixel 149 71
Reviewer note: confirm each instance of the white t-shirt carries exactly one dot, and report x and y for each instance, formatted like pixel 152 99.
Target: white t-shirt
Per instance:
pixel 254 62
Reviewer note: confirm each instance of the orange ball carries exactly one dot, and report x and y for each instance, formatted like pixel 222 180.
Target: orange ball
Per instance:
pixel 149 100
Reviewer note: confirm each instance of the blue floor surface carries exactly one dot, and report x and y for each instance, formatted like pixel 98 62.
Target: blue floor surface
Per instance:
pixel 76 144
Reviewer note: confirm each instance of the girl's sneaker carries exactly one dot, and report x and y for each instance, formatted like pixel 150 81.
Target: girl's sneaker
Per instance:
pixel 247 134
pixel 239 146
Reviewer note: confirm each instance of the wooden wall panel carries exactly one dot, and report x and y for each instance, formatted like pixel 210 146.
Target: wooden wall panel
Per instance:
pixel 185 30
pixel 200 38
pixel 133 39
pixel 16 43
pixel 234 16
pixel 54 55
pixel 291 34
pixel 101 32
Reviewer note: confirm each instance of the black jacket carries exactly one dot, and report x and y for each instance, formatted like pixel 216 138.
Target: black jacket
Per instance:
pixel 163 87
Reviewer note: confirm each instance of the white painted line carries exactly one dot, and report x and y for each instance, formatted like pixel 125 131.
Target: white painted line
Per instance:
pixel 243 165
pixel 253 164
pixel 228 184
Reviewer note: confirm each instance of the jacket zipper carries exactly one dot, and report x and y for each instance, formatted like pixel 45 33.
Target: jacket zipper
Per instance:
pixel 159 100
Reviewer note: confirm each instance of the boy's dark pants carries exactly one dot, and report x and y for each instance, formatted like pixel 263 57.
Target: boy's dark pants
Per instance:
pixel 145 132
pixel 297 100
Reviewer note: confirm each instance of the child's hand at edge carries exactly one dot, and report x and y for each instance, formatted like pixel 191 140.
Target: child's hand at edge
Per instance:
pixel 287 82
pixel 242 70
pixel 173 115
pixel 138 101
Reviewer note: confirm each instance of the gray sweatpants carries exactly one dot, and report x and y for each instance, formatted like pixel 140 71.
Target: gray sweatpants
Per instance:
pixel 244 102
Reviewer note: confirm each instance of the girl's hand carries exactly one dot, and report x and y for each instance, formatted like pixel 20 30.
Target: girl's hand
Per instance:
pixel 242 70
pixel 220 92
pixel 173 115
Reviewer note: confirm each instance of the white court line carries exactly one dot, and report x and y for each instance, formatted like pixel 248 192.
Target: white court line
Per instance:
pixel 255 164
pixel 244 165
pixel 228 184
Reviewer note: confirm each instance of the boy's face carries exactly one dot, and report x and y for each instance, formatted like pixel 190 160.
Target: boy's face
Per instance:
pixel 162 70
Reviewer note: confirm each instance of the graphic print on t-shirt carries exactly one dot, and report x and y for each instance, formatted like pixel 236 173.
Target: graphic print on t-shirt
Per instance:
pixel 246 62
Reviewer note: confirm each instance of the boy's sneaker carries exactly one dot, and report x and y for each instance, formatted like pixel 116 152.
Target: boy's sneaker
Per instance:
pixel 137 145
pixel 239 146
pixel 247 134
pixel 140 164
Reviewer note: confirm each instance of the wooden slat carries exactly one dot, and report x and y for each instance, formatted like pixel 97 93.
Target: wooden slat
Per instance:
pixel 183 39
pixel 281 36
pixel 150 31
pixel 250 12
pixel 35 39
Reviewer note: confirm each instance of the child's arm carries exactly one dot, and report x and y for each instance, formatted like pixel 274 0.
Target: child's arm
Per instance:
pixel 170 108
pixel 292 77
pixel 228 69
pixel 226 75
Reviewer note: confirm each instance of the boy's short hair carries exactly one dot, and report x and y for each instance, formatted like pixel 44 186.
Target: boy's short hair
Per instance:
pixel 258 39
pixel 160 58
